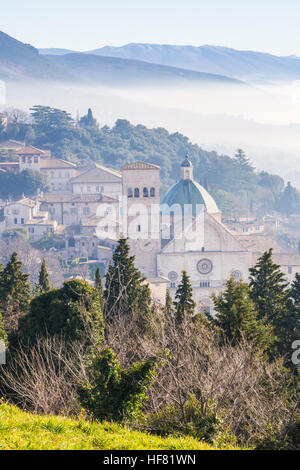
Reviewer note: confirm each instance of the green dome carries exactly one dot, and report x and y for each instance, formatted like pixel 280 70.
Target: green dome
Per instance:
pixel 187 191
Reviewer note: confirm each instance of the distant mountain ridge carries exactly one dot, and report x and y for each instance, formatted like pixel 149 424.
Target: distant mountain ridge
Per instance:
pixel 218 60
pixel 21 62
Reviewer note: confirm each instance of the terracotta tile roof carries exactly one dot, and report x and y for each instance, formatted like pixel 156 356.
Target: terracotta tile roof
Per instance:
pixel 30 151
pixel 48 163
pixel 57 198
pixel 141 166
pixel 11 145
pixel 95 173
pixel 24 202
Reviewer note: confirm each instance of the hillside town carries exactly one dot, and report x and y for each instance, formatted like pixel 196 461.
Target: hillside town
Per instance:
pixel 85 207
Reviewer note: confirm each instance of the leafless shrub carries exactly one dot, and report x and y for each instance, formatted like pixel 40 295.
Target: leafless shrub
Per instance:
pixel 44 379
pixel 249 394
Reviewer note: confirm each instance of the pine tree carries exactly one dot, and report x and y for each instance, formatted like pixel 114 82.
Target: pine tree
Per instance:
pixel 14 293
pixel 43 284
pixel 237 318
pixel 125 291
pixel 169 304
pixel 242 160
pixel 184 304
pixel 270 296
pixel 98 285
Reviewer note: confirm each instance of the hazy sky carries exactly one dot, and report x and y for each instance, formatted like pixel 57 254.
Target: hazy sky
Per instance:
pixel 265 25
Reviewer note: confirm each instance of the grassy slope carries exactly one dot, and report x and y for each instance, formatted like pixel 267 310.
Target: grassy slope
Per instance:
pixel 24 431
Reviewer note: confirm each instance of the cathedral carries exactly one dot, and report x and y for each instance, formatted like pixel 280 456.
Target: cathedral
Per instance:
pixel 189 234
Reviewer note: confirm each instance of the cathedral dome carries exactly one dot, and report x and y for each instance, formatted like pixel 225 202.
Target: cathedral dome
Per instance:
pixel 188 191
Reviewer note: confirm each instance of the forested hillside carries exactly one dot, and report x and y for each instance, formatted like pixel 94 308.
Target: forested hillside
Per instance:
pixel 235 184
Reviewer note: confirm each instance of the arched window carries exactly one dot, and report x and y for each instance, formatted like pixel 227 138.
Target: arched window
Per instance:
pixel 145 192
pixel 136 192
pixel 129 192
pixel 152 192
pixel 71 242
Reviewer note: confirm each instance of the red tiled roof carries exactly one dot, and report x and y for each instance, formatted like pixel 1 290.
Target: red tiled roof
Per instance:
pixel 11 144
pixel 30 151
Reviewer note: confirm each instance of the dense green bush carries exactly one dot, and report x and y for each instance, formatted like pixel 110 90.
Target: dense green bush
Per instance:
pixel 112 393
pixel 73 311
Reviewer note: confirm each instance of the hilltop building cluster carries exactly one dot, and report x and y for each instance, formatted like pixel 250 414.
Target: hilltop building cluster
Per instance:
pixel 181 230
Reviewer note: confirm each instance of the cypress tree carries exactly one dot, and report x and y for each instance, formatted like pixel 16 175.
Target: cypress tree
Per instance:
pixel 237 318
pixel 14 293
pixel 43 284
pixel 184 304
pixel 268 288
pixel 125 291
pixel 270 295
pixel 98 285
pixel 169 305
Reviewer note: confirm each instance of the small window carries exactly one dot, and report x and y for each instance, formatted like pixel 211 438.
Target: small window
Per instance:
pixel 138 228
pixel 172 285
pixel 145 192
pixel 290 270
pixel 36 160
pixel 129 193
pixel 22 221
pixel 71 242
pixel 136 192
pixel 23 159
pixel 16 221
pixel 152 192
pixel 204 284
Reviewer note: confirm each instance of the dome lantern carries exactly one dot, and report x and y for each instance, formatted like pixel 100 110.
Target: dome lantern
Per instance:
pixel 186 169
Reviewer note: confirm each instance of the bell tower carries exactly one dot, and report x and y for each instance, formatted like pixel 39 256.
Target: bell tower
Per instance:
pixel 141 213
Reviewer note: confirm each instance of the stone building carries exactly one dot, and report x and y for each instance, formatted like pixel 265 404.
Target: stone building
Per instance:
pixel 98 179
pixel 26 213
pixel 71 209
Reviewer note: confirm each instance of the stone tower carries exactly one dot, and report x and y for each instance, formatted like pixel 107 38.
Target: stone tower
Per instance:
pixel 141 213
